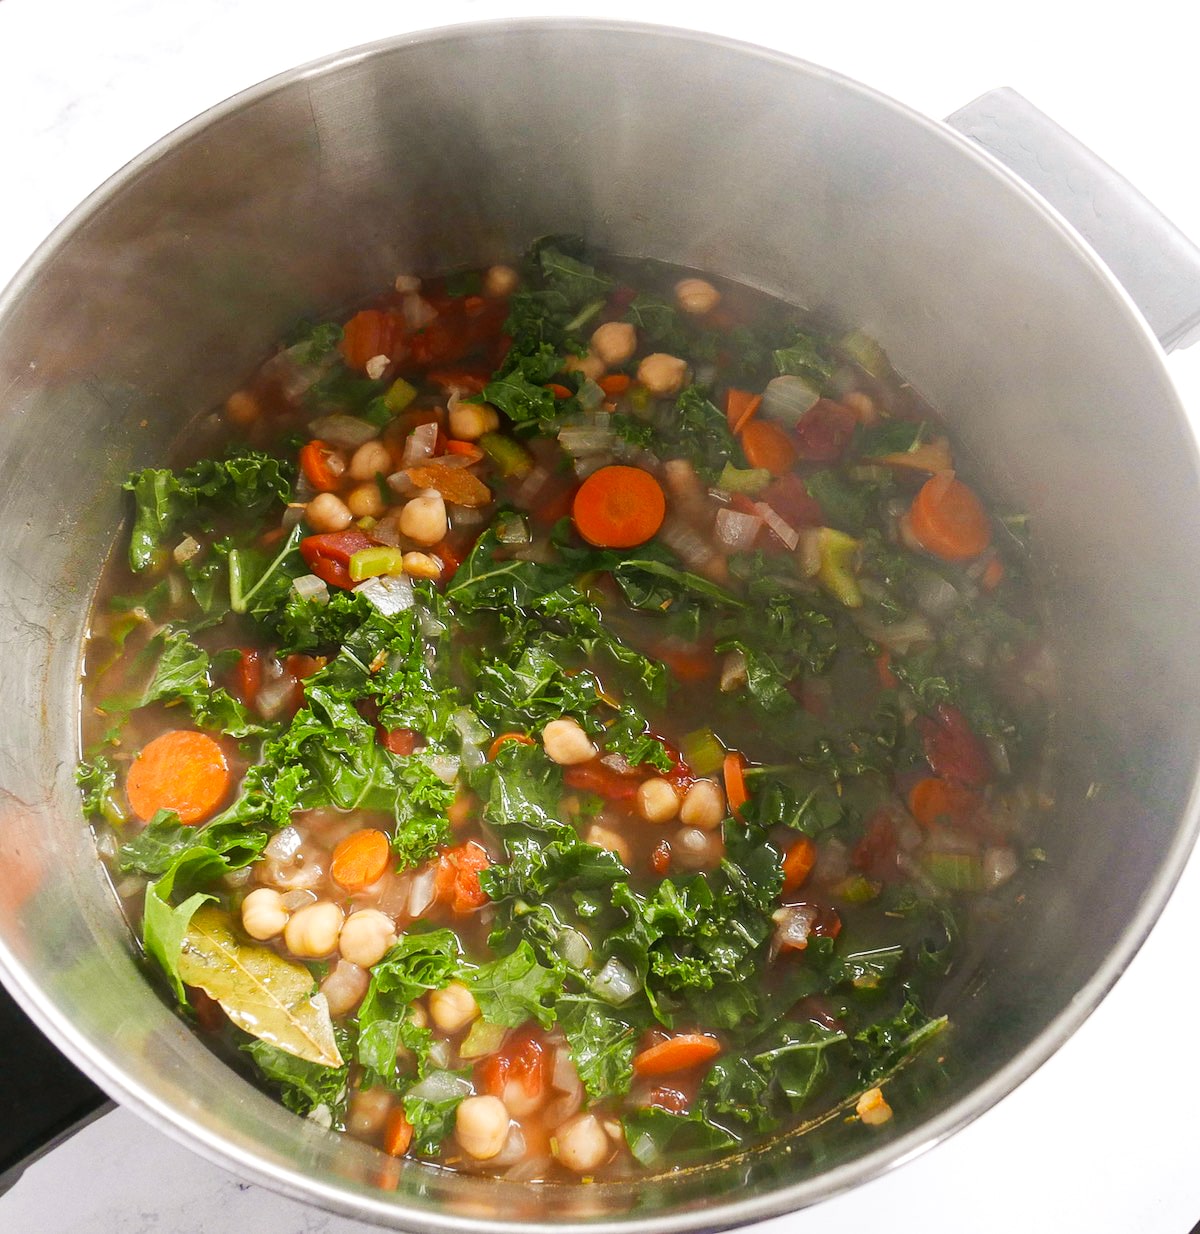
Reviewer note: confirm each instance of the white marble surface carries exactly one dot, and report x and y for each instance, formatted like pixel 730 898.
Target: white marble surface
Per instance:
pixel 1103 1138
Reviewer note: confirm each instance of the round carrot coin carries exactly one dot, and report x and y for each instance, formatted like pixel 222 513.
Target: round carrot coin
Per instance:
pixel 360 859
pixel 618 507
pixel 182 770
pixel 948 519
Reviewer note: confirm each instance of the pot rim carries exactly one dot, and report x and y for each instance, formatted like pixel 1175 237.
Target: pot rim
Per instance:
pixel 380 1208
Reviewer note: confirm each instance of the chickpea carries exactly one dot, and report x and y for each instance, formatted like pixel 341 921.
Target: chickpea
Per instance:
pixel 696 849
pixel 662 374
pixel 481 1126
pixel 581 1145
pixel 500 281
pixel 371 459
pixel 421 565
pixel 366 937
pixel 328 512
pixel 566 743
pixel 452 1007
pixel 369 1108
pixel 657 800
pixel 263 914
pixel 469 421
pixel 703 806
pixel 614 342
pixel 417 1015
pixel 696 296
pixel 241 408
pixel 312 931
pixel 424 518
pixel 604 837
pixel 344 987
pixel 365 500
pixel 863 406
pixel 591 366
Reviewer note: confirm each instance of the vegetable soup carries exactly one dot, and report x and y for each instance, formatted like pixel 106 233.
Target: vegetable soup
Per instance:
pixel 561 720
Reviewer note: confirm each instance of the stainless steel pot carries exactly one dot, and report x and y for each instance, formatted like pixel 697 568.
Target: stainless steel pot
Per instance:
pixel 311 191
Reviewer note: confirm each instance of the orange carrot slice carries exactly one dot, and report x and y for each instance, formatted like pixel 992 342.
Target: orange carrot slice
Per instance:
pixel 315 462
pixel 765 444
pixel 677 1054
pixel 360 859
pixel 618 507
pixel 182 770
pixel 733 772
pixel 397 1133
pixel 740 408
pixel 935 802
pixel 614 384
pixel 948 520
pixel 798 864
pixel 522 739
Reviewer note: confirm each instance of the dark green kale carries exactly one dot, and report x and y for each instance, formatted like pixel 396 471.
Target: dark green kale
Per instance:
pixel 700 433
pixel 303 1086
pixel 515 987
pixel 808 357
pixel 97 781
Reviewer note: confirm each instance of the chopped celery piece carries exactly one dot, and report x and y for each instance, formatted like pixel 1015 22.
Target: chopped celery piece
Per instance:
pixel 955 871
pixel 371 562
pixel 511 528
pixel 399 395
pixel 511 458
pixel 483 1039
pixel 866 353
pixel 857 889
pixel 838 558
pixel 702 751
pixel 639 397
pixel 751 480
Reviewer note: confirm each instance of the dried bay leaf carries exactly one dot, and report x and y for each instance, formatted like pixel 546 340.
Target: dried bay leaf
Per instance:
pixel 262 993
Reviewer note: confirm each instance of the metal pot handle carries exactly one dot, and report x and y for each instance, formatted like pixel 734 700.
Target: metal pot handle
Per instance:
pixel 1157 263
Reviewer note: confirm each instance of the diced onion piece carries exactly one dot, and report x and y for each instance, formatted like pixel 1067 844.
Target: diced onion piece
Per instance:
pixel 935 596
pixel 445 767
pixel 467 516
pixel 283 845
pixel 733 672
pixel 274 695
pixel 421 893
pixel 376 366
pixel 349 432
pixel 431 625
pixel 615 983
pixel 793 925
pixel 421 443
pixel 185 550
pixel 309 587
pixel 683 539
pixel 737 531
pixel 899 636
pixel 389 594
pixel 575 948
pixel 531 486
pixel 440 1086
pixel 787 398
pixel 512 529
pixel 417 311
pixel 514 1147
pixel 590 463
pixel 590 395
pixel 469 727
pixel 788 535
pixel 586 440
pixel 999 865
pixel 439 1052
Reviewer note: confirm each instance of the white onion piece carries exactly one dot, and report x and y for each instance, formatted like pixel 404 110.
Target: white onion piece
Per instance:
pixel 407 282
pixel 401 483
pixel 275 693
pixel 291 374
pixel 390 594
pixel 530 1170
pixel 684 540
pixel 445 767
pixel 393 894
pixel 614 982
pixel 292 900
pixel 575 948
pixel 531 486
pixel 514 1147
pixel 469 727
pixel 585 440
pixel 348 432
pixel 733 672
pixel 899 636
pixel 417 311
pixel 590 395
pixel 387 531
pixel 999 865
pixel 283 845
pixel 421 893
pixel 295 512
pixel 786 533
pixel 793 925
pixel 439 1052
pixel 934 595
pixel 808 551
pixel 737 531
pixel 431 625
pixel 185 550
pixel 309 587
pixel 440 1086
pixel 419 446
pixel 233 880
pixel 106 846
pixel 787 398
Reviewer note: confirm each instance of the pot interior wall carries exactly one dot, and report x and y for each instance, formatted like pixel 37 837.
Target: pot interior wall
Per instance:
pixel 459 149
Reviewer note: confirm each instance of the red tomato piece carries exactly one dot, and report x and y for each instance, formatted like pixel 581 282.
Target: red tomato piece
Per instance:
pixel 877 853
pixel 952 749
pixel 457 879
pixel 249 675
pixel 824 431
pixel 790 499
pixel 328 555
pixel 660 858
pixel 398 741
pixel 595 777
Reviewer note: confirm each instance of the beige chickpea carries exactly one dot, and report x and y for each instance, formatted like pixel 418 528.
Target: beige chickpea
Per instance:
pixel 481 1126
pixel 614 342
pixel 328 512
pixel 371 459
pixel 662 374
pixel 591 366
pixel 697 850
pixel 863 406
pixel 344 987
pixel 605 837
pixel 703 806
pixel 417 1015
pixel 368 1111
pixel 263 914
pixel 581 1144
pixel 657 800
pixel 366 937
pixel 696 296
pixel 365 500
pixel 312 931
pixel 423 519
pixel 566 743
pixel 421 565
pixel 453 1007
pixel 500 281
pixel 241 408
pixel 470 421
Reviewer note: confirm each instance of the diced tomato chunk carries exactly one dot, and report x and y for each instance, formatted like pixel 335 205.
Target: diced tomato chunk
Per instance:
pixel 952 749
pixel 398 741
pixel 790 499
pixel 824 431
pixel 522 1060
pixel 596 777
pixel 249 675
pixel 660 858
pixel 328 555
pixel 876 854
pixel 456 881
